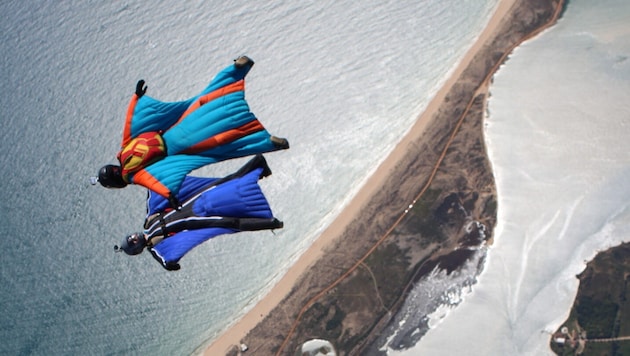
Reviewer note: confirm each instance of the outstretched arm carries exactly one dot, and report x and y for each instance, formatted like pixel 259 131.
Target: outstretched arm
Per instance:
pixel 230 74
pixel 139 88
pixel 146 114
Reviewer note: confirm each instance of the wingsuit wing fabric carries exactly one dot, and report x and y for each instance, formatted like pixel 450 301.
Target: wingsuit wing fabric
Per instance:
pixel 237 197
pixel 213 126
pixel 171 250
pixel 193 185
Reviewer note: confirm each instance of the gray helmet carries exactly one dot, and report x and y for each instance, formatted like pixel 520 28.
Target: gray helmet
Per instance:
pixel 132 244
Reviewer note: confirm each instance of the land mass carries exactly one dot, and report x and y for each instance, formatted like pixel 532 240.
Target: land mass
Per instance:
pixel 599 321
pixel 431 204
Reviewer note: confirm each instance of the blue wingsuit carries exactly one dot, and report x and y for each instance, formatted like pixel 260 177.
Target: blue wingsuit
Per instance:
pixel 210 207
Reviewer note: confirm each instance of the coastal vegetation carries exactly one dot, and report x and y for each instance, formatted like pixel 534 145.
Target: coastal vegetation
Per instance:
pixel 599 321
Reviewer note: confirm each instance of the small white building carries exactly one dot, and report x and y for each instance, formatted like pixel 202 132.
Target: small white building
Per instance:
pixel 560 340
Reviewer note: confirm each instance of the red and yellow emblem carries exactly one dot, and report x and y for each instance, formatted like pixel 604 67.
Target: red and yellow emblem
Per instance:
pixel 140 152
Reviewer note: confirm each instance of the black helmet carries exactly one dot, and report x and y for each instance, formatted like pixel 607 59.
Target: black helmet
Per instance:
pixel 132 244
pixel 110 176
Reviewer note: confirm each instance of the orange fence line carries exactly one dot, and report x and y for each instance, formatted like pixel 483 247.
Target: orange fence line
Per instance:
pixel 426 186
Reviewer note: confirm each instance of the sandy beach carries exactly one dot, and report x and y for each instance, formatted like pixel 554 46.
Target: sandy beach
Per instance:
pixel 239 330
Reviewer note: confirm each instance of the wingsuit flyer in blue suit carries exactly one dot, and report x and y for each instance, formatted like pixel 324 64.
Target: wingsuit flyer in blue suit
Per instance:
pixel 210 207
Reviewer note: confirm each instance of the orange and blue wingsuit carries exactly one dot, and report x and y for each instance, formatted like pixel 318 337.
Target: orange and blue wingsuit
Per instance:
pixel 164 141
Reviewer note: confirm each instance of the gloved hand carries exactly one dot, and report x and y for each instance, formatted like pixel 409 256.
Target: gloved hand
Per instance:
pixel 172 199
pixel 139 88
pixel 172 266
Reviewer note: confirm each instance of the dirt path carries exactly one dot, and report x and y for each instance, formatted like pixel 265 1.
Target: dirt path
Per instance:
pixel 408 171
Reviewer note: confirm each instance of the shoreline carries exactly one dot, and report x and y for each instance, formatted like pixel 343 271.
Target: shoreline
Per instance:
pixel 235 333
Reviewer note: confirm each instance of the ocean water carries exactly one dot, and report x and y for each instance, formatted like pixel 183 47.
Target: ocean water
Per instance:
pixel 341 80
pixel 557 133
